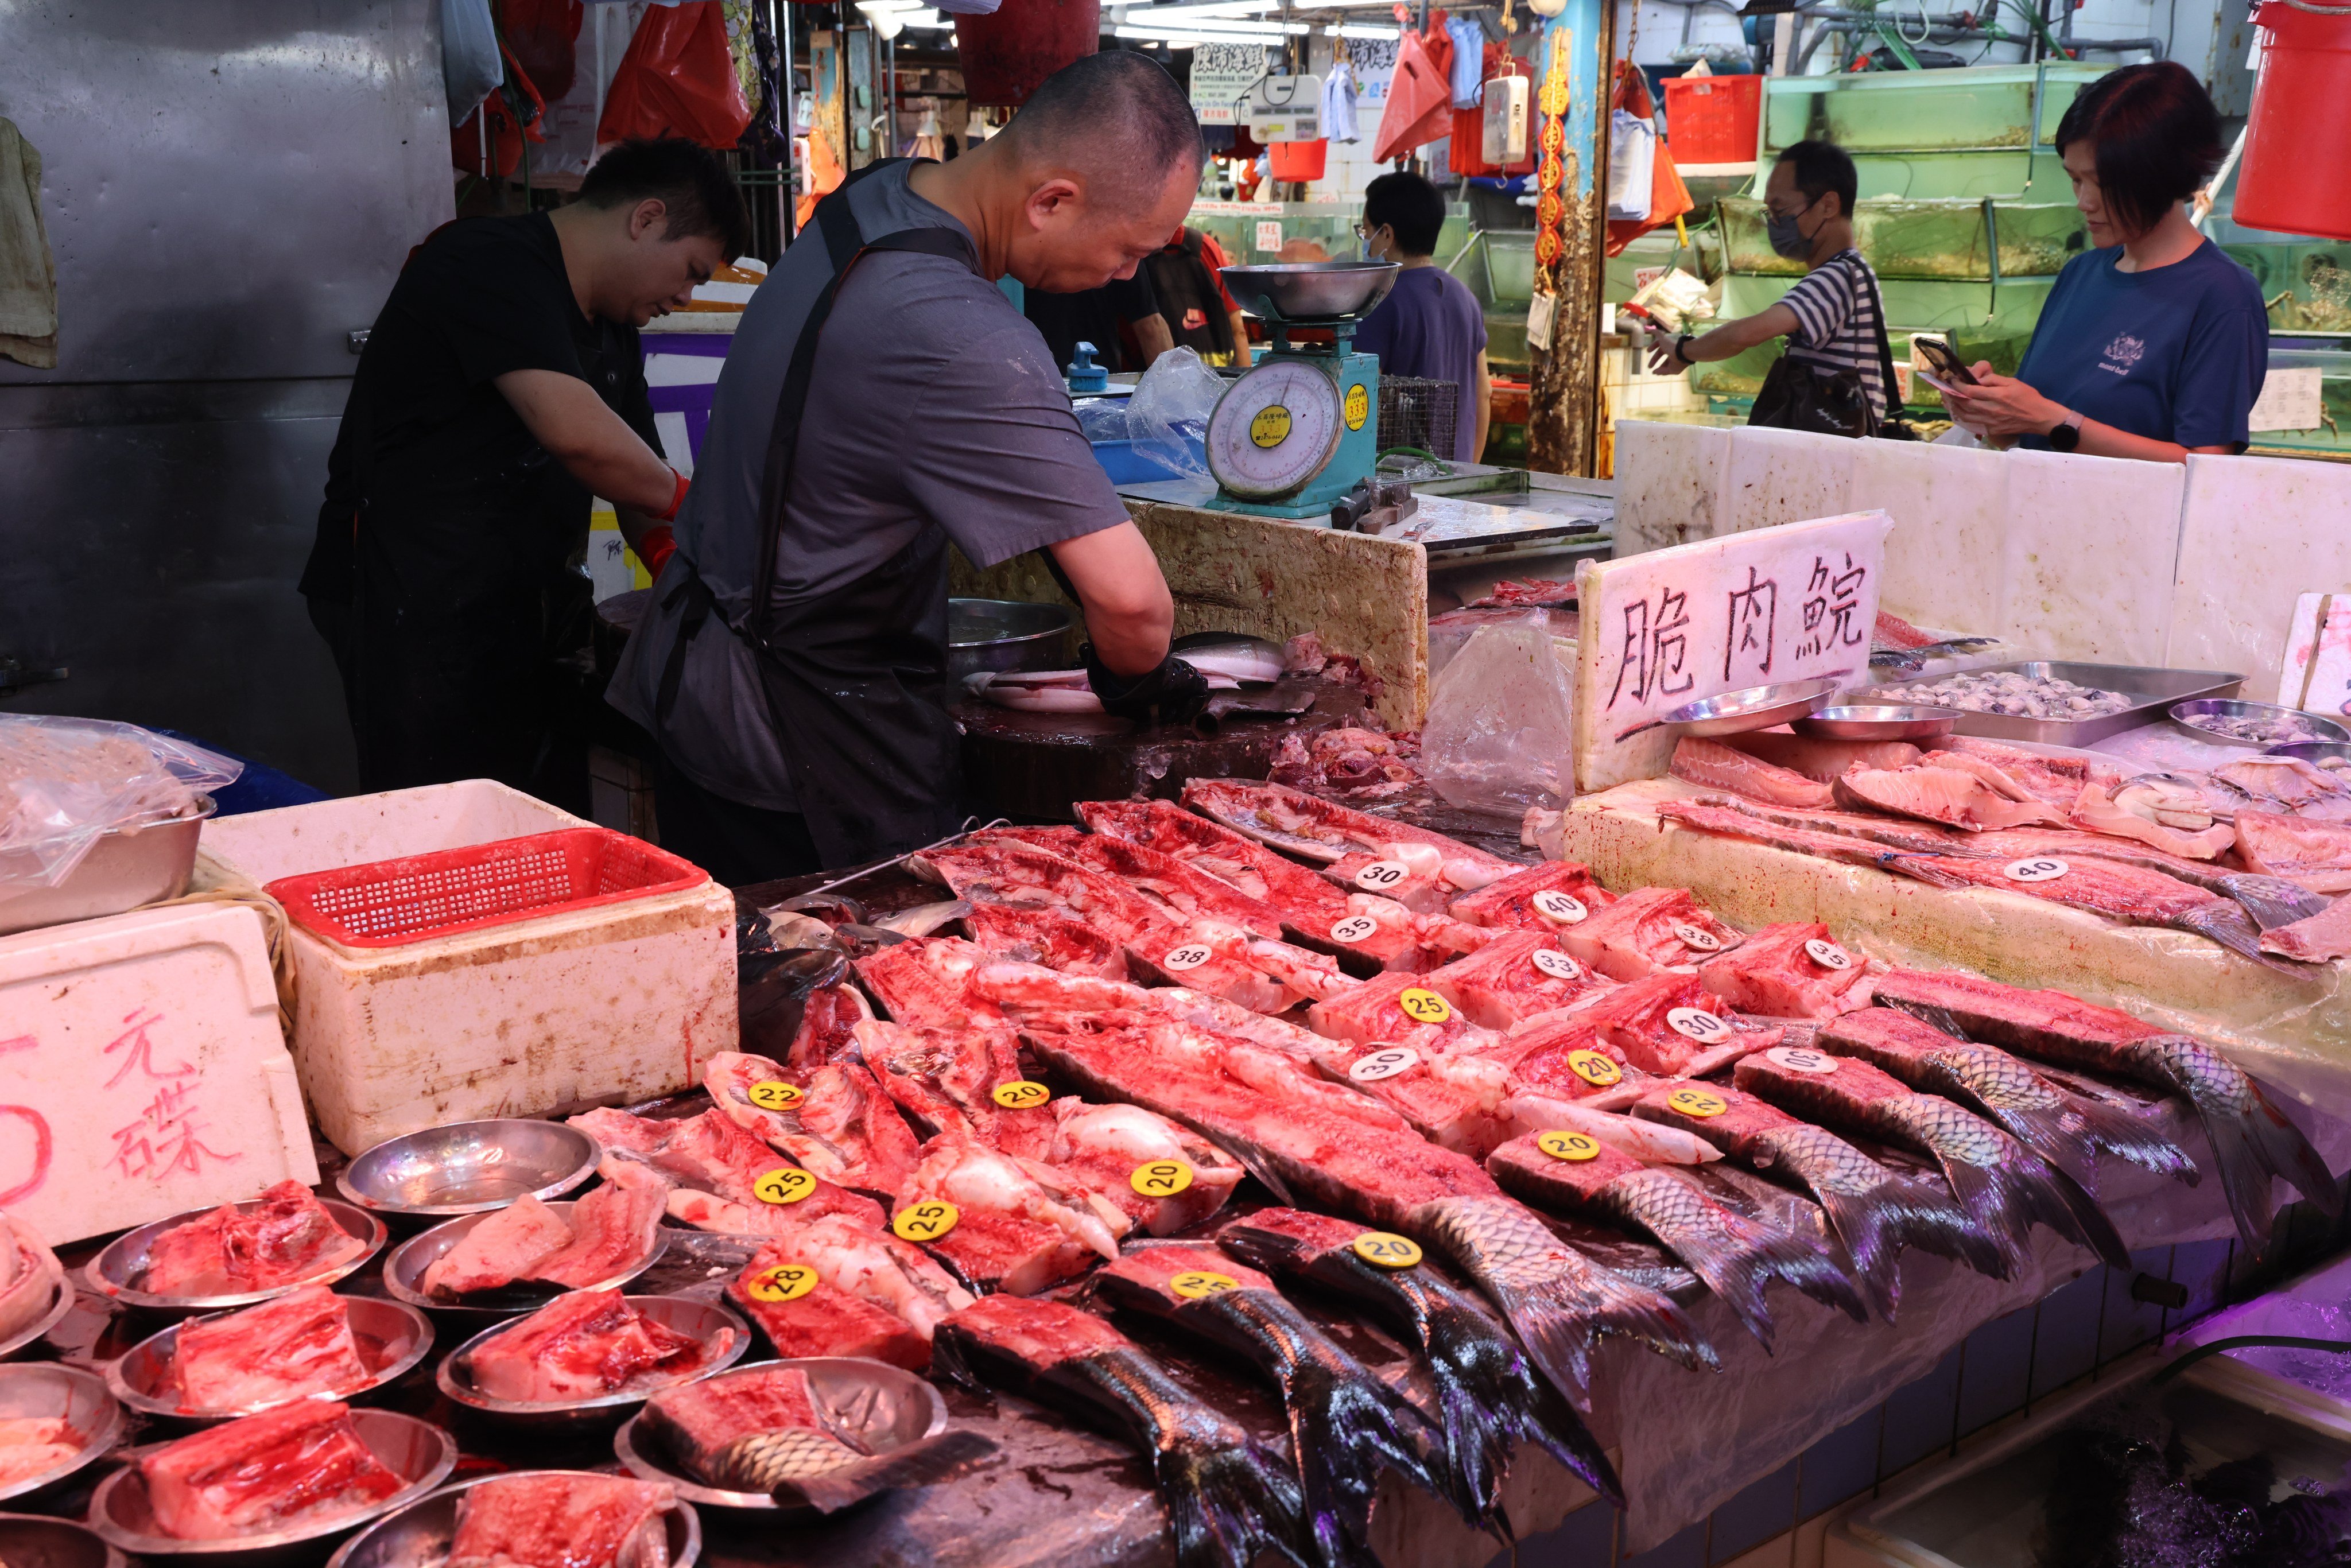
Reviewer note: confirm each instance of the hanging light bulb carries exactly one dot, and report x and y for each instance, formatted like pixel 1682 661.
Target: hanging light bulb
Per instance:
pixel 887 17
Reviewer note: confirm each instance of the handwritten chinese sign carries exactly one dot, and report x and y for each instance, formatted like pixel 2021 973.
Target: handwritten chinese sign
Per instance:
pixel 1675 626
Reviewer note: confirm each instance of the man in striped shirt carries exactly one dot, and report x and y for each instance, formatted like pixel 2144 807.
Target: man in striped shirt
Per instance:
pixel 1834 318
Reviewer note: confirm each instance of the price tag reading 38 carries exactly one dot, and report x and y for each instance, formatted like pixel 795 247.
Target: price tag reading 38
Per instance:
pixel 1698 1024
pixel 2040 868
pixel 775 1094
pixel 1189 957
pixel 1567 1145
pixel 1827 955
pixel 1194 1283
pixel 1383 1064
pixel 783 1184
pixel 1381 875
pixel 1697 1103
pixel 1695 940
pixel 784 1282
pixel 1556 963
pixel 1563 907
pixel 1354 929
pixel 1161 1179
pixel 925 1221
pixel 1800 1058
pixel 1020 1094
pixel 1386 1250
pixel 1423 1006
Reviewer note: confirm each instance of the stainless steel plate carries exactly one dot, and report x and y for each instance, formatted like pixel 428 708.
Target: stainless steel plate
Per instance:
pixel 418 1452
pixel 404 1266
pixel 882 1406
pixel 391 1336
pixel 37 1541
pixel 418 1534
pixel 115 1272
pixel 32 1390
pixel 1312 290
pixel 2155 690
pixel 705 1321
pixel 469 1168
pixel 1757 707
pixel 2190 714
pixel 131 865
pixel 1005 634
pixel 1877 722
pixel 61 1292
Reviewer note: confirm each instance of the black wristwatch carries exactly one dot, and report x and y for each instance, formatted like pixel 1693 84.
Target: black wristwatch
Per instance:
pixel 1681 343
pixel 2067 435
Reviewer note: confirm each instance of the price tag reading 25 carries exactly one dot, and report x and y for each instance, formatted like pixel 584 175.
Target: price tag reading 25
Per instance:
pixel 925 1221
pixel 783 1184
pixel 1423 1006
pixel 1161 1179
pixel 775 1094
pixel 1697 1103
pixel 1194 1283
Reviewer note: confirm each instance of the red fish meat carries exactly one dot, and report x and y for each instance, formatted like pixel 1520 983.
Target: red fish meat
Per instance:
pixel 1019 876
pixel 1713 766
pixel 1313 829
pixel 296 1465
pixel 1308 904
pixel 1954 797
pixel 699 1420
pixel 504 1247
pixel 1519 901
pixel 946 1079
pixel 1647 930
pixel 1046 936
pixel 826 1020
pixel 585 1345
pixel 1099 1148
pixel 714 1169
pixel 842 1127
pixel 566 1519
pixel 612 1229
pixel 1821 760
pixel 297 1345
pixel 1020 1226
pixel 2314 939
pixel 1562 1058
pixel 927 980
pixel 1790 971
pixel 2308 853
pixel 1184 892
pixel 291 1237
pixel 2111 888
pixel 1516 977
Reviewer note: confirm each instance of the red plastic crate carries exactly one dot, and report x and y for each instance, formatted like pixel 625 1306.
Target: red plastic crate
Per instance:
pixel 388 903
pixel 1712 120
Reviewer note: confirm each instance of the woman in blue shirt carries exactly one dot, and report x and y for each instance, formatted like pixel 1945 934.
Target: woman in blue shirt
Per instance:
pixel 2154 344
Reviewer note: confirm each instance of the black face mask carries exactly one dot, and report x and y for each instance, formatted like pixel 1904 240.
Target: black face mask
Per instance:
pixel 1786 238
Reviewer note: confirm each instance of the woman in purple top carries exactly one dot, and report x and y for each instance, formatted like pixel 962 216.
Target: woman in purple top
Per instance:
pixel 1431 325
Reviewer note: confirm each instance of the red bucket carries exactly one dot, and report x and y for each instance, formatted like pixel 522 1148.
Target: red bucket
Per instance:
pixel 2295 177
pixel 1008 56
pixel 1298 160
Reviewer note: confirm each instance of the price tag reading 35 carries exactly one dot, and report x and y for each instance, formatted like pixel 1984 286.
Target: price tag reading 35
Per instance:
pixel 1556 963
pixel 1695 940
pixel 925 1221
pixel 2040 868
pixel 1189 957
pixel 1161 1179
pixel 1381 875
pixel 1386 1250
pixel 1423 1006
pixel 1194 1283
pixel 1354 929
pixel 1698 1024
pixel 784 1282
pixel 1567 1145
pixel 1563 907
pixel 1383 1064
pixel 783 1184
pixel 1828 955
pixel 1020 1094
pixel 1800 1058
pixel 1697 1103
pixel 775 1094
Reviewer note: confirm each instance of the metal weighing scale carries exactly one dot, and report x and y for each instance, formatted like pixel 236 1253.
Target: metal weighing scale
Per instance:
pixel 1294 436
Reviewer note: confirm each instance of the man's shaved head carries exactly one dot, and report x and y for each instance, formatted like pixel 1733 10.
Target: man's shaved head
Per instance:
pixel 1115 119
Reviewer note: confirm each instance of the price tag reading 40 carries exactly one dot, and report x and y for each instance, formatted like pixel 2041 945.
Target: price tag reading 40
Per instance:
pixel 1381 875
pixel 1697 1103
pixel 783 1184
pixel 1698 1024
pixel 1386 1250
pixel 1563 907
pixel 2040 868
pixel 784 1282
pixel 1194 1283
pixel 925 1221
pixel 1568 1145
pixel 1828 955
pixel 1383 1064
pixel 1594 1067
pixel 1354 929
pixel 1695 940
pixel 1020 1094
pixel 775 1094
pixel 1556 963
pixel 1423 1006
pixel 1161 1179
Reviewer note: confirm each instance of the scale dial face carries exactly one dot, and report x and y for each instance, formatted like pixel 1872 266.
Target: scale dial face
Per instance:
pixel 1274 430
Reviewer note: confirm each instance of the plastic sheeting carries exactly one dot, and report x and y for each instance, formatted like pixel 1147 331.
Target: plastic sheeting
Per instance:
pixel 1167 416
pixel 66 782
pixel 1500 735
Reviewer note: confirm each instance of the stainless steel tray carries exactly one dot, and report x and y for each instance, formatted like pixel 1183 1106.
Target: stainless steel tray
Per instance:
pixel 2155 691
pixel 126 868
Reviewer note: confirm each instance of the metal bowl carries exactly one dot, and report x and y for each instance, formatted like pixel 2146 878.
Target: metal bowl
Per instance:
pixel 37 1541
pixel 30 1390
pixel 112 1271
pixel 1877 722
pixel 131 864
pixel 702 1320
pixel 418 1452
pixel 60 1285
pixel 391 1336
pixel 469 1168
pixel 883 1406
pixel 419 1535
pixel 1002 635
pixel 2316 751
pixel 1757 707
pixel 1311 291
pixel 404 1266
pixel 2186 714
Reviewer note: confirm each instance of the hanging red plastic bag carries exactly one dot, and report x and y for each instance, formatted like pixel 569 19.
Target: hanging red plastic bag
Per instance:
pixel 507 133
pixel 677 80
pixel 543 36
pixel 1420 97
pixel 1668 197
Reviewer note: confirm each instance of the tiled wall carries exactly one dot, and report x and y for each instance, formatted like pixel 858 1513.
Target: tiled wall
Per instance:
pixel 2000 1370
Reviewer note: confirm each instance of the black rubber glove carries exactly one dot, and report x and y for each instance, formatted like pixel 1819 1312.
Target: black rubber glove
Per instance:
pixel 1175 690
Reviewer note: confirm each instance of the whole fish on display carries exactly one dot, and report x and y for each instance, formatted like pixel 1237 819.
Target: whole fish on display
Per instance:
pixel 2003 1185
pixel 1488 1398
pixel 2067 1131
pixel 1874 1211
pixel 2252 1141
pixel 1313 829
pixel 1228 1497
pixel 1734 1255
pixel 1347 1428
pixel 1551 897
pixel 1308 904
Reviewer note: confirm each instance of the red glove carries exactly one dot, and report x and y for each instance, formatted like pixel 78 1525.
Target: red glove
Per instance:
pixel 677 499
pixel 655 548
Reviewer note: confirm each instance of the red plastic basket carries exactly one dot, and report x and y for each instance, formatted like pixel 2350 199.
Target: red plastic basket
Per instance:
pixel 1712 120
pixel 388 903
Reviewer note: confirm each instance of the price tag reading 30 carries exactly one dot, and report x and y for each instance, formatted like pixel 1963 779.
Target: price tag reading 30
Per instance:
pixel 1386 1250
pixel 1695 940
pixel 1423 1006
pixel 1697 1103
pixel 1567 1145
pixel 1020 1094
pixel 925 1221
pixel 784 1282
pixel 2040 868
pixel 1191 956
pixel 775 1094
pixel 1828 955
pixel 1161 1179
pixel 1698 1024
pixel 1383 1064
pixel 1194 1283
pixel 1381 875
pixel 1556 963
pixel 1800 1058
pixel 1564 908
pixel 1354 929
pixel 783 1184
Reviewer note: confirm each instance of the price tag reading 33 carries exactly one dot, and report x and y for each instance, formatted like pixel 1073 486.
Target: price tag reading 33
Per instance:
pixel 1194 1283
pixel 1020 1094
pixel 783 1184
pixel 1423 1006
pixel 1698 1024
pixel 1697 1103
pixel 1386 1250
pixel 1383 1064
pixel 784 1282
pixel 1381 875
pixel 1161 1179
pixel 1567 1145
pixel 2040 868
pixel 1556 963
pixel 775 1094
pixel 925 1221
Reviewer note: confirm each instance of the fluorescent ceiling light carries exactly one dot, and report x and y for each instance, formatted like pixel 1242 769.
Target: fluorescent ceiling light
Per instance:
pixel 1214 31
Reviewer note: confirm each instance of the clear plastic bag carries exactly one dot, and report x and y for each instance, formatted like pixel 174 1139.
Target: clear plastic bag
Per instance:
pixel 1168 417
pixel 65 782
pixel 1103 418
pixel 1500 735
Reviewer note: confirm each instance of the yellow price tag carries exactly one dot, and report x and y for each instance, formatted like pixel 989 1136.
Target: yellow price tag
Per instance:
pixel 775 1094
pixel 1567 1145
pixel 1161 1179
pixel 1197 1282
pixel 1358 406
pixel 783 1184
pixel 1423 1006
pixel 1386 1250
pixel 1697 1103
pixel 1020 1094
pixel 1594 1068
pixel 925 1221
pixel 1270 426
pixel 784 1282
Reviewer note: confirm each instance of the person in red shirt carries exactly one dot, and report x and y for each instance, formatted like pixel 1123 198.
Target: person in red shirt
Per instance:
pixel 1198 309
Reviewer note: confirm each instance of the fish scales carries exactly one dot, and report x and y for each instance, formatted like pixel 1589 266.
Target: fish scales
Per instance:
pixel 1828 846
pixel 2121 891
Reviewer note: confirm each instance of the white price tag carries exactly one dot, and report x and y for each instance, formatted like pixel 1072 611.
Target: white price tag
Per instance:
pixel 1354 929
pixel 1381 875
pixel 1383 1064
pixel 1563 907
pixel 1828 955
pixel 1800 1058
pixel 2040 868
pixel 1557 965
pixel 1189 957
pixel 1698 1024
pixel 1696 940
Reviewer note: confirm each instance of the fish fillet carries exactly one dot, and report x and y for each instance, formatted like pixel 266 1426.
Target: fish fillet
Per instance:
pixel 1713 766
pixel 2311 854
pixel 1821 760
pixel 1954 797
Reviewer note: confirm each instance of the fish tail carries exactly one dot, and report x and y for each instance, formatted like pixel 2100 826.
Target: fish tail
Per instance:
pixel 2253 1142
pixel 1997 1210
pixel 1488 1398
pixel 2083 1219
pixel 1736 1257
pixel 1936 1223
pixel 2058 1136
pixel 1347 1428
pixel 2271 901
pixel 2232 928
pixel 2126 1137
pixel 2016 1187
pixel 1225 1505
pixel 917 1464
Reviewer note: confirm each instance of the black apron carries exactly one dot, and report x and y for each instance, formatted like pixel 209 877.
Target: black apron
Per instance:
pixel 856 679
pixel 1186 288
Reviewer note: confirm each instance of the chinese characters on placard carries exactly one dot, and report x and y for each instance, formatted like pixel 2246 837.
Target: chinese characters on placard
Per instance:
pixel 1656 641
pixel 1830 603
pixel 1655 659
pixel 166 1138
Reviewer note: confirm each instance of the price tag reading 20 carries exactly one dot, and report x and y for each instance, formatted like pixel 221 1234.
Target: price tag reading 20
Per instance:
pixel 1387 1251
pixel 2040 868
pixel 1161 1179
pixel 1698 1024
pixel 783 1184
pixel 1697 1103
pixel 1353 929
pixel 1381 875
pixel 1567 1145
pixel 1594 1069
pixel 775 1094
pixel 1423 1006
pixel 925 1221
pixel 784 1282
pixel 1020 1094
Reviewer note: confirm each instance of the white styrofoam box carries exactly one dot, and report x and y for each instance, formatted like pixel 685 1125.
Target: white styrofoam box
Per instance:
pixel 1785 476
pixel 1669 480
pixel 2089 554
pixel 625 1000
pixel 144 1070
pixel 1949 507
pixel 294 841
pixel 2255 533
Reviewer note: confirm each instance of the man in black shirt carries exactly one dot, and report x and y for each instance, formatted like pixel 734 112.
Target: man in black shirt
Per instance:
pixel 1121 319
pixel 502 386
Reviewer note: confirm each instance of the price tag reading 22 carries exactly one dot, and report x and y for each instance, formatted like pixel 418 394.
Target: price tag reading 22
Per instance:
pixel 1423 1006
pixel 925 1221
pixel 783 1184
pixel 1161 1179
pixel 775 1094
pixel 784 1282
